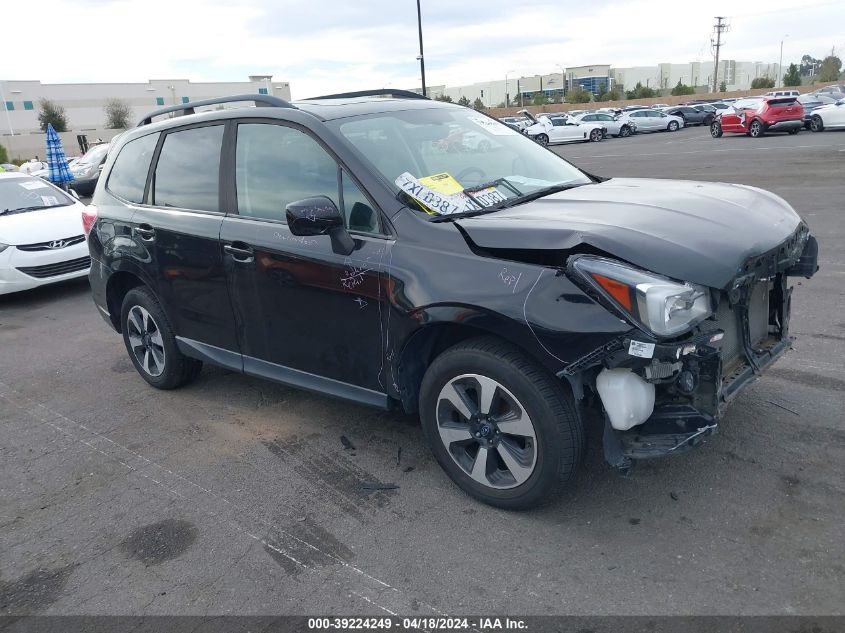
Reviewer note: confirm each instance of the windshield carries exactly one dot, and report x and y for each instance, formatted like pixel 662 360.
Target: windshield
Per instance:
pixel 29 194
pixel 94 155
pixel 455 152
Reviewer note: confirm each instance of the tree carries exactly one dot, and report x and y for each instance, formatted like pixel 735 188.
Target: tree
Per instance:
pixel 118 114
pixel 51 112
pixel 4 157
pixel 723 87
pixel 830 69
pixel 444 97
pixel 792 76
pixel 614 94
pixel 763 82
pixel 809 64
pixel 540 99
pixel 501 104
pixel 578 95
pixel 478 104
pixel 682 89
pixel 463 101
pixel 641 92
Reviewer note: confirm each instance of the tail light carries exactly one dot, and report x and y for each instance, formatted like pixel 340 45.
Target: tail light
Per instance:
pixel 89 216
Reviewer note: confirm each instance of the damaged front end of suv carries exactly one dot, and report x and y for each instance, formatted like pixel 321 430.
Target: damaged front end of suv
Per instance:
pixel 664 386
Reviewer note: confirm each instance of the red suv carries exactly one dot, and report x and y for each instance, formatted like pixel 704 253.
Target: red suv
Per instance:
pixel 757 116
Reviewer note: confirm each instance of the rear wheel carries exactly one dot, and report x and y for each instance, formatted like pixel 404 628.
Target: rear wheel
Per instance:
pixel 716 129
pixel 624 131
pixel 816 123
pixel 795 130
pixel 673 126
pixel 504 430
pixel 756 129
pixel 151 344
pixel 596 135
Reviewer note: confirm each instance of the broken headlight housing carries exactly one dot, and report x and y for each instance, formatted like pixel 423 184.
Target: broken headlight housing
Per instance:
pixel 657 304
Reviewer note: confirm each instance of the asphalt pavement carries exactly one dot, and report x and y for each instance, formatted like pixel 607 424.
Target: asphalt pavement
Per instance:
pixel 236 496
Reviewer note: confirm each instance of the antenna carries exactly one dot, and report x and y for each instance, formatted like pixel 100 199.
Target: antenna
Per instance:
pixel 720 27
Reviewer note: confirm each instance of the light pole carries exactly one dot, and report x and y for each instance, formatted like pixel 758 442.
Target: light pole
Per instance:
pixel 507 93
pixel 420 56
pixel 8 117
pixel 562 82
pixel 780 63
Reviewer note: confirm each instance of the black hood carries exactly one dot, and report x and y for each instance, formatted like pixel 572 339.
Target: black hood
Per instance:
pixel 693 231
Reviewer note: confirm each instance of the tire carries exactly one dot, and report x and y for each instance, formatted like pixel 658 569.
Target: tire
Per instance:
pixel 624 131
pixel 755 130
pixel 716 129
pixel 673 126
pixel 816 124
pixel 151 344
pixel 596 135
pixel 516 385
pixel 794 131
pixel 542 139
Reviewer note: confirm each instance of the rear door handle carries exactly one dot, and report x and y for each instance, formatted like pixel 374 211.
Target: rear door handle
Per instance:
pixel 146 232
pixel 240 252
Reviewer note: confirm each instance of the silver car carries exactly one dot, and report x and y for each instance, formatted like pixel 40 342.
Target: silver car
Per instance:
pixel 615 125
pixel 649 120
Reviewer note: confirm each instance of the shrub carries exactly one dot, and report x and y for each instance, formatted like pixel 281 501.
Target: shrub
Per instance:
pixel 52 112
pixel 4 156
pixel 763 82
pixel 478 104
pixel 463 101
pixel 578 95
pixel 118 114
pixel 682 89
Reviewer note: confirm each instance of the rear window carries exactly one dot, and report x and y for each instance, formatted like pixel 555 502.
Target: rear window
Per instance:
pixel 128 175
pixel 187 174
pixel 781 102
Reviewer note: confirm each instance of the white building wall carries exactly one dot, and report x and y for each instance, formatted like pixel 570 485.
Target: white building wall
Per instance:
pixel 84 103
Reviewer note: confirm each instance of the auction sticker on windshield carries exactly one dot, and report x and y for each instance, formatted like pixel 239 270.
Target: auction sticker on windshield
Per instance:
pixel 435 202
pixel 443 183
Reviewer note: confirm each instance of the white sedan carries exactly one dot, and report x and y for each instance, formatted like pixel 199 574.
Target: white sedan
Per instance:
pixel 615 126
pixel 552 130
pixel 649 120
pixel 829 116
pixel 41 238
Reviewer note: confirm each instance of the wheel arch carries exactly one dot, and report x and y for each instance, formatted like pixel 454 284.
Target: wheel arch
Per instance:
pixel 117 287
pixel 424 344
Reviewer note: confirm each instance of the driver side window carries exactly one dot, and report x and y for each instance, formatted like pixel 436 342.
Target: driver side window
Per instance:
pixel 276 165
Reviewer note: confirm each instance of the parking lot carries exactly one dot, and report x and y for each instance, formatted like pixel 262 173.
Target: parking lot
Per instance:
pixel 237 496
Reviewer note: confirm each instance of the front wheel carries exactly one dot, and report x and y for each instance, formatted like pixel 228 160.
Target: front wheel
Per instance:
pixel 596 135
pixel 755 130
pixel 542 139
pixel 673 126
pixel 151 344
pixel 504 430
pixel 716 129
pixel 816 123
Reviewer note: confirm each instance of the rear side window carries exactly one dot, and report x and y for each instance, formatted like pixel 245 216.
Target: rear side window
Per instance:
pixel 128 175
pixel 187 174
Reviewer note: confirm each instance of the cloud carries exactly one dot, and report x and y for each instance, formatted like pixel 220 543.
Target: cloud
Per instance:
pixel 334 46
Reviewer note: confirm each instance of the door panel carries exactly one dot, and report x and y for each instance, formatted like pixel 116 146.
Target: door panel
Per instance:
pixel 298 304
pixel 184 242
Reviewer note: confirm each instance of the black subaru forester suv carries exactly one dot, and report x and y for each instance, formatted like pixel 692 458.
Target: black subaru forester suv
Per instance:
pixel 401 252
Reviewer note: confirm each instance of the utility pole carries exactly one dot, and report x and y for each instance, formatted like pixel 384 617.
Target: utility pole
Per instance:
pixel 422 60
pixel 718 28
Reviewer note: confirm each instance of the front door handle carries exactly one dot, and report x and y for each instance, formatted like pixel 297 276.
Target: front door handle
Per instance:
pixel 146 232
pixel 239 252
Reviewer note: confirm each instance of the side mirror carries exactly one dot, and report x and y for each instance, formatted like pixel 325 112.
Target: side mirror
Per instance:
pixel 319 216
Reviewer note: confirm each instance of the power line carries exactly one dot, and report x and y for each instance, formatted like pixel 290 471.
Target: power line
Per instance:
pixel 720 27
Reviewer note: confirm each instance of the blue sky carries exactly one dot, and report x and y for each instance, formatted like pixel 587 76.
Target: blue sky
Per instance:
pixel 330 46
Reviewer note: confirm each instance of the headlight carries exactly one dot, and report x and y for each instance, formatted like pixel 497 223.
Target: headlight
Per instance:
pixel 654 303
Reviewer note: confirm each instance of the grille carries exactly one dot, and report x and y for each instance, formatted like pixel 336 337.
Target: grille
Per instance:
pixel 726 319
pixel 52 244
pixel 59 268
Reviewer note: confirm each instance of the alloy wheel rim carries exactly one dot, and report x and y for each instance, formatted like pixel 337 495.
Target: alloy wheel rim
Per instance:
pixel 486 431
pixel 755 129
pixel 145 340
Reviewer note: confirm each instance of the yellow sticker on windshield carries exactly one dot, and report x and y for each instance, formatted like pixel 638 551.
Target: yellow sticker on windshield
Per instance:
pixel 442 183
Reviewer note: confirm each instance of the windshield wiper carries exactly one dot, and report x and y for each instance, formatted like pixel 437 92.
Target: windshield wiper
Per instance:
pixel 510 202
pixel 26 209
